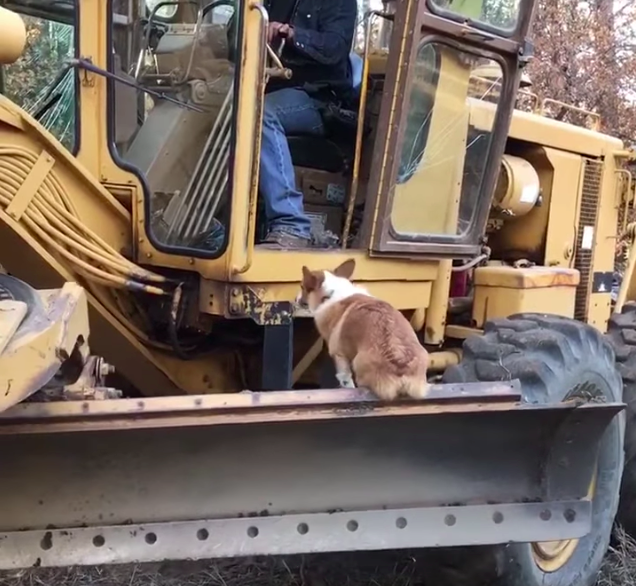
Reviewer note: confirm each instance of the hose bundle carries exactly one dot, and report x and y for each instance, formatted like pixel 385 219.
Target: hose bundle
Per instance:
pixel 52 218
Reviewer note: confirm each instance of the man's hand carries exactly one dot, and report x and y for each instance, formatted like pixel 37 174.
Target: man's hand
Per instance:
pixel 279 30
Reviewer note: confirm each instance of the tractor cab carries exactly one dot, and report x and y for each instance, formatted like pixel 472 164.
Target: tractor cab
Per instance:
pixel 169 98
pixel 408 173
pixel 166 98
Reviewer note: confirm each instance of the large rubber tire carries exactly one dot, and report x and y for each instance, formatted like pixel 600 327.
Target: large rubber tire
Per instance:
pixel 622 335
pixel 554 358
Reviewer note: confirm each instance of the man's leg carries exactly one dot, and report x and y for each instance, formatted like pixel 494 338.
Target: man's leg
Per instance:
pixel 285 111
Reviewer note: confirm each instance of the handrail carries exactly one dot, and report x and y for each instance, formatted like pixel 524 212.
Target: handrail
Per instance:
pixel 256 144
pixel 362 106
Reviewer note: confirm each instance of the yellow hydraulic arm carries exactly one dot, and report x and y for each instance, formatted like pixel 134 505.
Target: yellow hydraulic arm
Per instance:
pixel 59 224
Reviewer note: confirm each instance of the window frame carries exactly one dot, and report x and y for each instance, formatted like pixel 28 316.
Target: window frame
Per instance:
pixel 175 250
pixel 512 33
pixel 510 54
pixel 43 9
pixel 69 17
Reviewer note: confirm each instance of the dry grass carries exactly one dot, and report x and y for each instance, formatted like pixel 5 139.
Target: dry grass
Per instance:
pixel 377 569
pixel 619 568
pixel 369 569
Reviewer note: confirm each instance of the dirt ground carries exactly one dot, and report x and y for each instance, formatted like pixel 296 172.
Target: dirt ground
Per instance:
pixel 369 569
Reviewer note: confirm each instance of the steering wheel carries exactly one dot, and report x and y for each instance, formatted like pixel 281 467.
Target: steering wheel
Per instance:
pixel 231 24
pixel 231 33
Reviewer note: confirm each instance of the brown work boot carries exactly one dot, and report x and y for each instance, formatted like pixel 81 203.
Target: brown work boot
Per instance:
pixel 284 240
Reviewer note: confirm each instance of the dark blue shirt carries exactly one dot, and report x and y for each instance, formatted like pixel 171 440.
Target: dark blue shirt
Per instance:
pixel 323 37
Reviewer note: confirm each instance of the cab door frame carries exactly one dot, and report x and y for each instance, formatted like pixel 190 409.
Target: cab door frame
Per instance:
pixel 417 23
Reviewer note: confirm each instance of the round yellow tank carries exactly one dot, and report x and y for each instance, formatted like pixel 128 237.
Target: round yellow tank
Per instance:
pixel 12 36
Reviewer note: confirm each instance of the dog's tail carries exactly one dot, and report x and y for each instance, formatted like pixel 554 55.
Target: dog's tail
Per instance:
pixel 388 386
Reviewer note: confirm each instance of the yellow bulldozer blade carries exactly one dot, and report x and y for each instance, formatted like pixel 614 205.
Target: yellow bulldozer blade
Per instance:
pixel 132 480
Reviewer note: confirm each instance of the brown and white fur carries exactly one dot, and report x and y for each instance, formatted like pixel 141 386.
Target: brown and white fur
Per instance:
pixel 369 341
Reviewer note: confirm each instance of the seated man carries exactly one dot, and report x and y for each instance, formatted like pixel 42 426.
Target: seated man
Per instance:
pixel 317 37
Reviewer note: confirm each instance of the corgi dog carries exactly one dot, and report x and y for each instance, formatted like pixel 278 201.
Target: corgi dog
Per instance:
pixel 370 341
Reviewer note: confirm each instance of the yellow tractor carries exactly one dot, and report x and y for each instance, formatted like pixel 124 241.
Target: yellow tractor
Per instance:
pixel 129 201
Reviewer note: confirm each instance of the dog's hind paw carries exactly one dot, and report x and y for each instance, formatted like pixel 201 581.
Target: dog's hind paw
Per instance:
pixel 346 381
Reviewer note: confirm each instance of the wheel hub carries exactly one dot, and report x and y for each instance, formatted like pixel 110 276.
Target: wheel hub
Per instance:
pixel 551 556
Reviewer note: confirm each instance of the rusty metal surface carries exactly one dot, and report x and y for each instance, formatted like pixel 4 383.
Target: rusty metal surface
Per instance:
pixel 320 532
pixel 248 407
pixel 243 301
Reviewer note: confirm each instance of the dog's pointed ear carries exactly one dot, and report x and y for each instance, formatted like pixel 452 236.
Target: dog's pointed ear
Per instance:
pixel 309 279
pixel 345 270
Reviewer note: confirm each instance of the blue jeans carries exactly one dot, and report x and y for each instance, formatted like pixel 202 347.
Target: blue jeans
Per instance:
pixel 286 111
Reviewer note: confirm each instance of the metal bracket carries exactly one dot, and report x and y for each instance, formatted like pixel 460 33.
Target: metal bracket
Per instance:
pixel 37 175
pixel 278 356
pixel 243 302
pixel 526 51
pixel 290 534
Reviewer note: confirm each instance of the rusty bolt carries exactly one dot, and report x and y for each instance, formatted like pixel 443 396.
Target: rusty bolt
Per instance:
pixel 105 369
pixel 199 91
pixel 570 515
pixel 234 308
pixel 235 292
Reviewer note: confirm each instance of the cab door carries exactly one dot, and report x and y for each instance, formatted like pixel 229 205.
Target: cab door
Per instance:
pixel 453 72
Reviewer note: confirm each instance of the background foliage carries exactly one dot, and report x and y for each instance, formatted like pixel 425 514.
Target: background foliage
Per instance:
pixel 584 56
pixel 27 81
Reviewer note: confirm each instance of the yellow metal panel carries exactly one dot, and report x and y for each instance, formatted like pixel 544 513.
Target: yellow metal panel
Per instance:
pixel 402 295
pixel 564 204
pixel 93 144
pixel 504 290
pixel 436 314
pixel 9 116
pixel 495 302
pixel 525 278
pixel 545 131
pixel 285 266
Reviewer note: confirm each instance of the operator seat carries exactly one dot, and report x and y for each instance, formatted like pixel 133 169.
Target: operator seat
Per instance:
pixel 325 153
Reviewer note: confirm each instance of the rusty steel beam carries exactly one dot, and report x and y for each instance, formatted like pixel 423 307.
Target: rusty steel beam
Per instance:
pixel 248 407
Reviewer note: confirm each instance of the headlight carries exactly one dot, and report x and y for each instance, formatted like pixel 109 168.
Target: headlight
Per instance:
pixel 165 12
